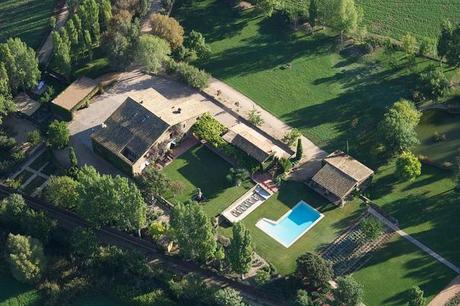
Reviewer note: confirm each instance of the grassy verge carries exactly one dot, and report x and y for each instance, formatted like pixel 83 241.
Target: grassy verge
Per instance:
pixel 200 168
pixel 13 293
pixel 28 19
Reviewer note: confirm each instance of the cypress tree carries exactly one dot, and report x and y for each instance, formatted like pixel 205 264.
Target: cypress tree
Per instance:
pixel 299 151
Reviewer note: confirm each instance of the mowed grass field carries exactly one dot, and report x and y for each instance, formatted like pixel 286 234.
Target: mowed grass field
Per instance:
pixel 420 17
pixel 28 19
pixel 332 99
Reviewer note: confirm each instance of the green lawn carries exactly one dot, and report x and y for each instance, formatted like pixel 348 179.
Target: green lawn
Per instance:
pixel 28 19
pixel 426 208
pixel 443 123
pixel 201 168
pixel 330 98
pixel 13 293
pixel 395 268
pixel 395 18
pixel 325 231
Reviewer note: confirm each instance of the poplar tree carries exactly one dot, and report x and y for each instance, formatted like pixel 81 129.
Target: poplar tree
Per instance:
pixel 241 250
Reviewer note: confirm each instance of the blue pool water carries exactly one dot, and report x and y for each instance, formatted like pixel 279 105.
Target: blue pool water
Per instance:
pixel 292 225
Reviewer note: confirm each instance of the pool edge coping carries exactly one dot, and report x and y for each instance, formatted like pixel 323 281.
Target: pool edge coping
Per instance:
pixel 321 216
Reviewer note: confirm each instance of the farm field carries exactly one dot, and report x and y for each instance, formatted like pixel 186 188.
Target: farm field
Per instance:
pixel 28 19
pixel 423 18
pixel 332 99
pixel 201 168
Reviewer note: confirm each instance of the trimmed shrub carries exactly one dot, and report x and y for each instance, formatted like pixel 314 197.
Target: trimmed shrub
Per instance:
pixel 191 75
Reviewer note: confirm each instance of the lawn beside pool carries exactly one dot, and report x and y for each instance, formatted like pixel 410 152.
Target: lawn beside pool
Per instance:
pixel 427 208
pixel 201 168
pixel 397 267
pixel 332 99
pixel 325 231
pixel 28 19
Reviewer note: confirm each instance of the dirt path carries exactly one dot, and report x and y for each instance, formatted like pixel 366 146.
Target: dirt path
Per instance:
pixel 44 54
pixel 447 293
pixel 241 104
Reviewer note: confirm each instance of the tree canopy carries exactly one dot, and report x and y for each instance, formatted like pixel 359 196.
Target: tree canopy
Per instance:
pixel 152 52
pixel 341 15
pixel 408 166
pixel 106 200
pixel 314 271
pixel 209 129
pixel 348 292
pixel 193 232
pixel 25 257
pixel 167 28
pixel 240 251
pixel 398 126
pixel 228 297
pixel 21 64
pixel 58 134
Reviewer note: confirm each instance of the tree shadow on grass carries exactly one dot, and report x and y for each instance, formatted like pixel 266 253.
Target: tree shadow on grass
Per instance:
pixel 423 269
pixel 216 20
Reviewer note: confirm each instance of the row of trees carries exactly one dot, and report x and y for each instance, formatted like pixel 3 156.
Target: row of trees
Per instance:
pixel 101 199
pixel 196 238
pixel 18 70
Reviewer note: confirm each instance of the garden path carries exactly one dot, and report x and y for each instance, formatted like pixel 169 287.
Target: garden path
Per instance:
pixel 447 293
pixel 414 241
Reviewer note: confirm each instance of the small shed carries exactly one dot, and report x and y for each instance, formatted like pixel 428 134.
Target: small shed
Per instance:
pixel 340 175
pixel 26 105
pixel 253 143
pixel 74 97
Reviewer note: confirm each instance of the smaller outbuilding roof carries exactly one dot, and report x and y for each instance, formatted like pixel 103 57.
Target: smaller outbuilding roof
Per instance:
pixel 341 173
pixel 75 93
pixel 26 104
pixel 252 142
pixel 348 165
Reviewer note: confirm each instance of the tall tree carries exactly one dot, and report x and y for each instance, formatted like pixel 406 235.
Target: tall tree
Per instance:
pixel 409 44
pixel 25 257
pixel 62 191
pixel 21 64
pixel 398 126
pixel 89 14
pixel 153 183
pixel 194 232
pixel 167 28
pixel 444 38
pixel 240 251
pixel 7 104
pixel 152 52
pixel 58 134
pixel 106 200
pixel 314 271
pixel 105 9
pixel 348 292
pixel 313 12
pixel 408 167
pixel 228 297
pixel 72 31
pixel 62 51
pixel 342 15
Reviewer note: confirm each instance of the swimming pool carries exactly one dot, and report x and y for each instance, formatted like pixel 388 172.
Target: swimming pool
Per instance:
pixel 292 225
